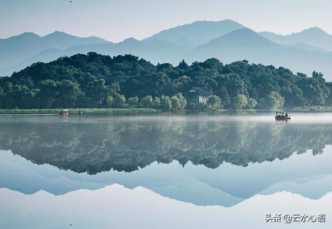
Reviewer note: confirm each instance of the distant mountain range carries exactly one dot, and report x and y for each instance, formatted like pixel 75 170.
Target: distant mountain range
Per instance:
pixel 226 40
pixel 314 37
pixel 22 50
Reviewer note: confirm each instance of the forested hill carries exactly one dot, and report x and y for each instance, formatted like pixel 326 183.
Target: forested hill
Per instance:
pixel 126 81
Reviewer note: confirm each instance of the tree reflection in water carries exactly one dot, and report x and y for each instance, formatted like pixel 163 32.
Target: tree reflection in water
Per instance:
pixel 94 146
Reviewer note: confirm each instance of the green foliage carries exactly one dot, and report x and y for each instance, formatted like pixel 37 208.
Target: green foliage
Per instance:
pixel 274 101
pixel 156 102
pixel 165 103
pixel 252 103
pixel 147 101
pixel 240 102
pixel 119 101
pixel 97 91
pixel 90 80
pixel 222 92
pixel 83 111
pixel 109 101
pixel 178 102
pixel 68 93
pixel 214 103
pixel 133 101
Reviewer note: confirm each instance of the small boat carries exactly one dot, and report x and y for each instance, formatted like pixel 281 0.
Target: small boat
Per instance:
pixel 282 116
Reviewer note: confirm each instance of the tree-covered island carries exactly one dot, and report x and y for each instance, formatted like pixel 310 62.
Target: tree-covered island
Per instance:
pixel 98 81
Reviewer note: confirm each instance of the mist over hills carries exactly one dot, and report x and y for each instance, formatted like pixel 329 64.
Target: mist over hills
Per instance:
pixel 197 33
pixel 22 50
pixel 226 40
pixel 233 45
pixel 247 44
pixel 314 37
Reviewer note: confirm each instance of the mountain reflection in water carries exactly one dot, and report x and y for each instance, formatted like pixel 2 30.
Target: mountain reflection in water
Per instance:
pixel 218 157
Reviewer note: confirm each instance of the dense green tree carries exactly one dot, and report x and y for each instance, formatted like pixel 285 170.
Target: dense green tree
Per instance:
pixel 179 102
pixel 2 94
pixel 69 92
pixel 240 102
pixel 252 103
pixel 133 101
pixel 274 101
pixel 48 93
pixel 24 96
pixel 214 103
pixel 165 103
pixel 176 104
pixel 156 102
pixel 109 101
pixel 223 93
pixel 97 90
pixel 119 101
pixel 147 101
pixel 89 80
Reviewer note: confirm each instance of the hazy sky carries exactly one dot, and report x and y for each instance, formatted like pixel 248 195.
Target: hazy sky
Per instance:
pixel 118 19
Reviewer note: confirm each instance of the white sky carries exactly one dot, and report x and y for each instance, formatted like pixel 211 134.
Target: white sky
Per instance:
pixel 119 19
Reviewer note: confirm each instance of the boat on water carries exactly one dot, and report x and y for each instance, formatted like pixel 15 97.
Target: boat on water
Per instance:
pixel 282 116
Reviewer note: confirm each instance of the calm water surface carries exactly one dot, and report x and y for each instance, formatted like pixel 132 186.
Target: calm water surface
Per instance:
pixel 164 172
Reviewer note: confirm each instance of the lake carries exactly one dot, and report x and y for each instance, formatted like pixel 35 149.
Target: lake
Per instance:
pixel 148 172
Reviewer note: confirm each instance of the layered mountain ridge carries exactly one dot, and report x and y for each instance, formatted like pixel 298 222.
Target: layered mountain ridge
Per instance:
pixel 227 40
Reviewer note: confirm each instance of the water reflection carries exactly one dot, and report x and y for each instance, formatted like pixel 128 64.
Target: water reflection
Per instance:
pixel 95 146
pixel 202 161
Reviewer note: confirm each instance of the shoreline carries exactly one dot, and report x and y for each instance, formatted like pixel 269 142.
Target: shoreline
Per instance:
pixel 150 111
pixel 80 111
